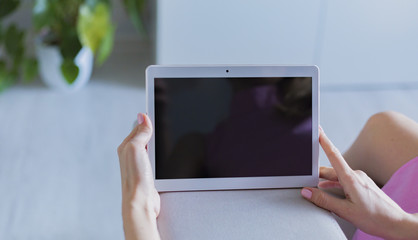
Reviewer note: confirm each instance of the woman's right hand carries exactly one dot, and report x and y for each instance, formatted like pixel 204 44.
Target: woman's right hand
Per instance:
pixel 365 205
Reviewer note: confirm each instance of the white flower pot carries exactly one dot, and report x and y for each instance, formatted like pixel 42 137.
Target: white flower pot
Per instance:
pixel 50 61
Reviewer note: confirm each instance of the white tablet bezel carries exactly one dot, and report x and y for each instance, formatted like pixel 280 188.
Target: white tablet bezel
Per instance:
pixel 212 71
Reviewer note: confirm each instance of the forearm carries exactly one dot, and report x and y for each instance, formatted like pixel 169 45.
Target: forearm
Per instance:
pixel 407 228
pixel 411 227
pixel 139 225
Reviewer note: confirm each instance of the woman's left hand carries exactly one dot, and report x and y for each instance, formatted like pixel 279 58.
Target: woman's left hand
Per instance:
pixel 140 199
pixel 365 205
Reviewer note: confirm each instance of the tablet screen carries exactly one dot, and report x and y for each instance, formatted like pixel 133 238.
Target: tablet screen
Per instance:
pixel 233 127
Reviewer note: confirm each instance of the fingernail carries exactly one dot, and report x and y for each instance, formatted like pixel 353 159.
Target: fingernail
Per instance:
pixel 306 193
pixel 320 128
pixel 140 118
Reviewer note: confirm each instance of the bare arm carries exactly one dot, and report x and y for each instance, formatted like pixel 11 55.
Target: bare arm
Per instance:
pixel 140 199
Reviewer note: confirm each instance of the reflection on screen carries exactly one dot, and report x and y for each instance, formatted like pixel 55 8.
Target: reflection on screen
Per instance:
pixel 233 127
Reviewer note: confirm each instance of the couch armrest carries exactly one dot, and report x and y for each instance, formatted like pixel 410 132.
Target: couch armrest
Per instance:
pixel 249 214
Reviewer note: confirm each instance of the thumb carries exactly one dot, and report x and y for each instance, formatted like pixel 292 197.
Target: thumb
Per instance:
pixel 324 200
pixel 143 131
pixel 140 139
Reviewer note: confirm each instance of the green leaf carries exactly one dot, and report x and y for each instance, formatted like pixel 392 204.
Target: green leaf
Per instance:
pixel 56 16
pixel 30 69
pixel 13 41
pixel 6 78
pixel 41 14
pixel 93 25
pixel 105 47
pixel 135 8
pixel 3 71
pixel 69 45
pixel 3 84
pixel 1 33
pixel 7 7
pixel 69 70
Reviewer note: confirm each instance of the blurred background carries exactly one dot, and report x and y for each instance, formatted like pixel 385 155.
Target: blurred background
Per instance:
pixel 72 82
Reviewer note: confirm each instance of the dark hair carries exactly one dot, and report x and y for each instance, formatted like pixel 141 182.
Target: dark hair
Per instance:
pixel 295 97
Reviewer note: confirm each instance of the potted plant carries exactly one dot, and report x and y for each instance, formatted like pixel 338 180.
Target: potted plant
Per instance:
pixel 14 62
pixel 71 33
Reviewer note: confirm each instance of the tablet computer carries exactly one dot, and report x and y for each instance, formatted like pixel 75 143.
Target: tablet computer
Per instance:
pixel 233 127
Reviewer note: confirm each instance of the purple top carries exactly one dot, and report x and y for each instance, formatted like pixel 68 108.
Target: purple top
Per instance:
pixel 402 188
pixel 255 140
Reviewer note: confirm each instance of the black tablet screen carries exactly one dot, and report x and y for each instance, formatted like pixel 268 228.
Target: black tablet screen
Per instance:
pixel 233 127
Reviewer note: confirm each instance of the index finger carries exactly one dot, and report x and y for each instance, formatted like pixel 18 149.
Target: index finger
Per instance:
pixel 335 158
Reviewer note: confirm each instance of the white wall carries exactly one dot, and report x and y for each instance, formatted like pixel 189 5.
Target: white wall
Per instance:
pixel 353 42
